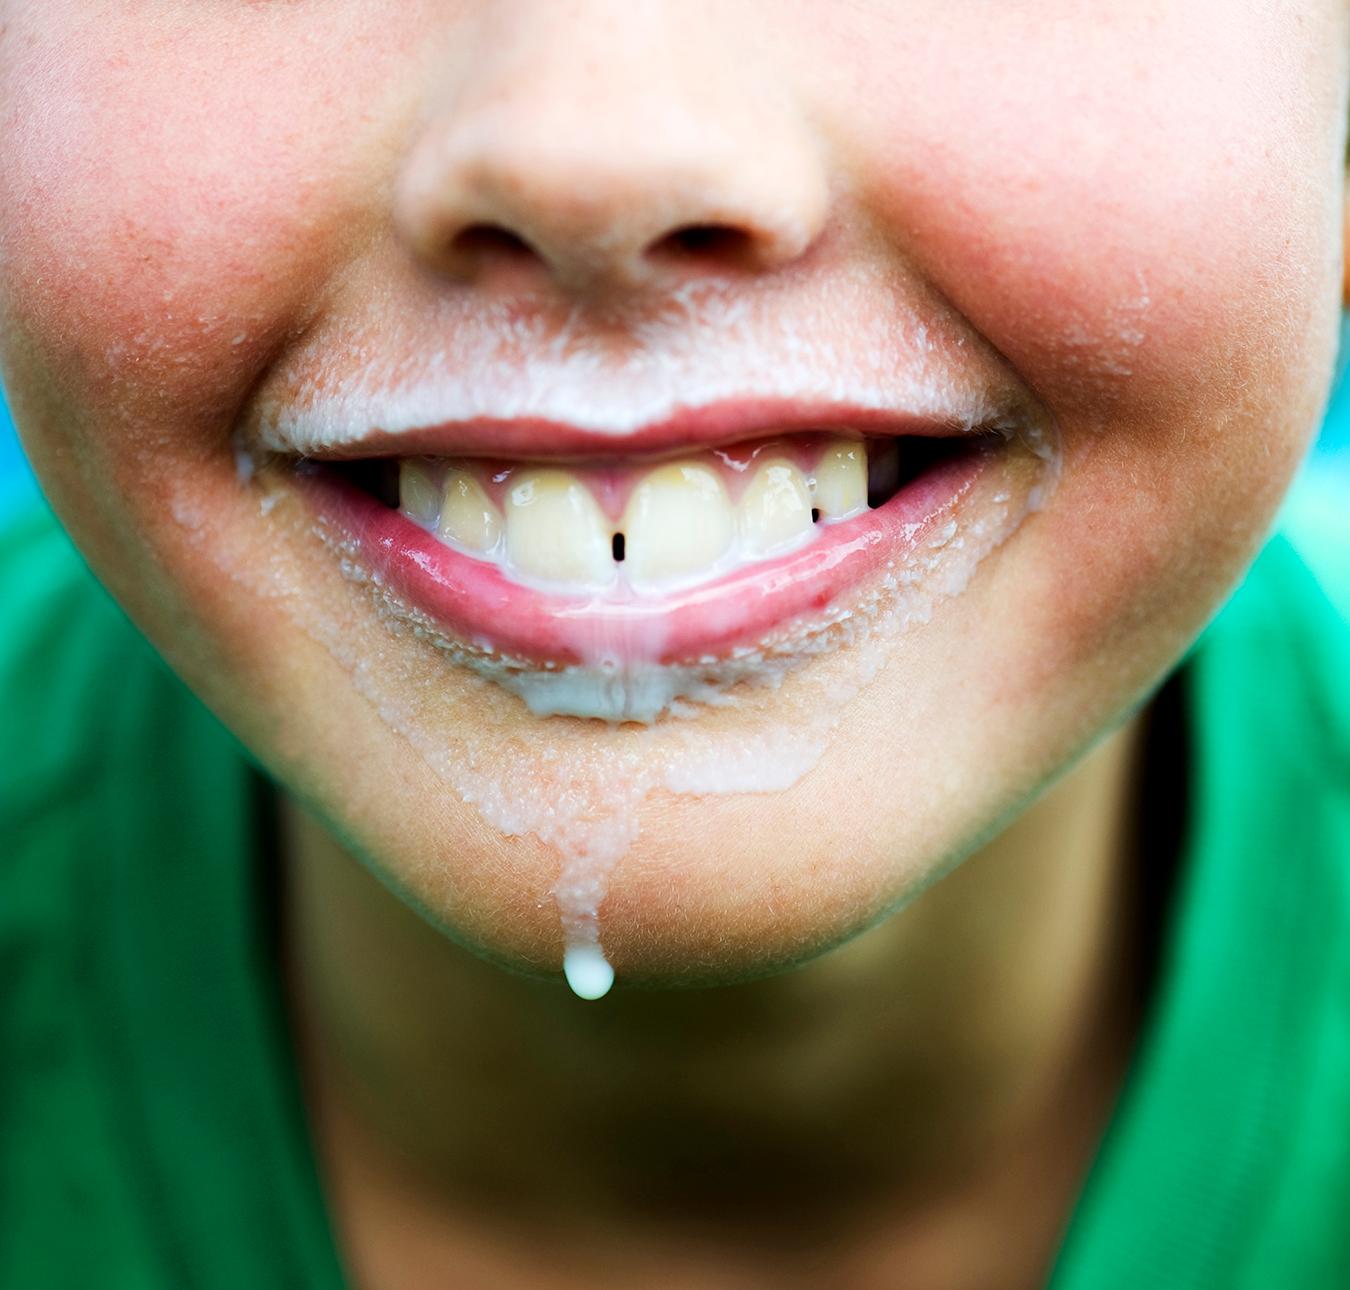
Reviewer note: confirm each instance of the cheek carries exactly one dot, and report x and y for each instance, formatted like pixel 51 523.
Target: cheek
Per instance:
pixel 1146 229
pixel 170 214
pixel 169 219
pixel 1156 253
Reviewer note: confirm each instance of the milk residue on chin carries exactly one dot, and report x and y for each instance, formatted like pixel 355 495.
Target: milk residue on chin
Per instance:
pixel 585 805
pixel 578 785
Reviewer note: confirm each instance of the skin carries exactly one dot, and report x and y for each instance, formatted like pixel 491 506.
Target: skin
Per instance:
pixel 1140 210
pixel 832 1117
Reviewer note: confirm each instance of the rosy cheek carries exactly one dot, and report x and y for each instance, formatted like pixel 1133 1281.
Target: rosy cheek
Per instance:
pixel 1154 252
pixel 1123 229
pixel 170 213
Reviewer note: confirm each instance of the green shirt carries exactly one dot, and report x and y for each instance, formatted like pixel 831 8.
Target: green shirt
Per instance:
pixel 151 1130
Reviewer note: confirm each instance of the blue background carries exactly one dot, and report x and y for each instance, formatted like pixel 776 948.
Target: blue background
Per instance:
pixel 13 468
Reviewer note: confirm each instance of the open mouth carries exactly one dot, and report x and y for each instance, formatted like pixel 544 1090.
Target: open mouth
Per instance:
pixel 612 586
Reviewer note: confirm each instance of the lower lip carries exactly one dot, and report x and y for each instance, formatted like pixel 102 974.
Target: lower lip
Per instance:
pixel 475 604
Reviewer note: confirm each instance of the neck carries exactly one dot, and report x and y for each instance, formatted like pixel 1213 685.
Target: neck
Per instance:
pixel 956 1064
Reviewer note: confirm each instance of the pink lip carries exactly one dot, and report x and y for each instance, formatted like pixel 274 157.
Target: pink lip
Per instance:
pixel 687 428
pixel 474 602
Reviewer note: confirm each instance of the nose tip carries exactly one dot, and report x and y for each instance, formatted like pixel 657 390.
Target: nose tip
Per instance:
pixel 612 180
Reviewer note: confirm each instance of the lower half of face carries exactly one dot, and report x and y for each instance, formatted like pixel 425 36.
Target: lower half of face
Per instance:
pixel 730 809
pixel 710 696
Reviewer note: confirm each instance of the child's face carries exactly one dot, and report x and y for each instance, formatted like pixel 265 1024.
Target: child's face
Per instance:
pixel 1114 228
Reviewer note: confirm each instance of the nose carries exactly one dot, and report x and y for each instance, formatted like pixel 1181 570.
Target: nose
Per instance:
pixel 600 145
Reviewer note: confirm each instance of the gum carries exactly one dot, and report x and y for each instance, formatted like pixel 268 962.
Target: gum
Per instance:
pixel 579 786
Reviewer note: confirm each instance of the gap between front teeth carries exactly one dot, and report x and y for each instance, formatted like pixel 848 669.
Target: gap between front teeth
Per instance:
pixel 679 522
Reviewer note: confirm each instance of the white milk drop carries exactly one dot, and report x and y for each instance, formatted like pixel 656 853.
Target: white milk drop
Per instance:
pixel 587 970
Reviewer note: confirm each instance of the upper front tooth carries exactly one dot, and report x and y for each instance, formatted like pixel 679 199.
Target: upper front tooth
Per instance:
pixel 775 508
pixel 467 513
pixel 841 479
pixel 678 521
pixel 418 497
pixel 555 529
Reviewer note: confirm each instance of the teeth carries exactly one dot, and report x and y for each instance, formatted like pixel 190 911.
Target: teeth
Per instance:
pixel 840 479
pixel 418 497
pixel 775 508
pixel 678 521
pixel 468 517
pixel 555 530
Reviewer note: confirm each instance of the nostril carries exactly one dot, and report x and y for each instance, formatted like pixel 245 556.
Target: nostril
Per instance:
pixel 722 243
pixel 483 242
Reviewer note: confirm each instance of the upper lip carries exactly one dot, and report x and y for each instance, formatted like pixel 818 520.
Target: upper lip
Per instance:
pixel 714 424
pixel 447 374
